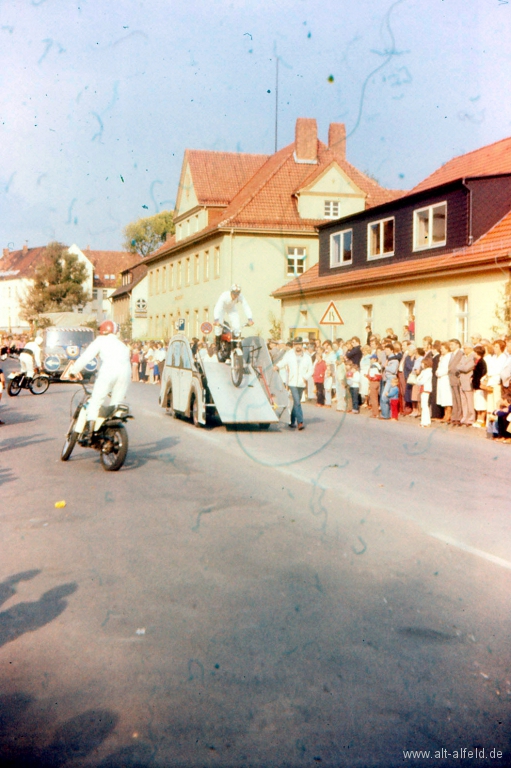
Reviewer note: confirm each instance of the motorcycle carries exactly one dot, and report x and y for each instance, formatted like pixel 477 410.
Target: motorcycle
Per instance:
pixel 109 436
pixel 19 380
pixel 230 348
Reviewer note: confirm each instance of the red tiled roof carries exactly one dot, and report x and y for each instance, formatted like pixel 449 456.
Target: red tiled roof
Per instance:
pixel 217 176
pixel 487 161
pixel 268 199
pixel 493 249
pixel 138 271
pixel 109 263
pixel 20 264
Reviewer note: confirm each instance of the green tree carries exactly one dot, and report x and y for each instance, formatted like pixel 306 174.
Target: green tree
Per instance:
pixel 58 284
pixel 146 235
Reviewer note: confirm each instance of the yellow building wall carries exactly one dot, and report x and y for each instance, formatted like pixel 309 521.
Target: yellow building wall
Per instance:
pixel 435 308
pixel 332 185
pixel 257 262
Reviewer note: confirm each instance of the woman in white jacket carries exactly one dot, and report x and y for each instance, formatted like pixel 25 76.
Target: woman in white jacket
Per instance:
pixel 425 381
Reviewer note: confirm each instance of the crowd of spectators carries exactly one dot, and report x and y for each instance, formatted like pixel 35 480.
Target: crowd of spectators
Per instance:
pixel 463 385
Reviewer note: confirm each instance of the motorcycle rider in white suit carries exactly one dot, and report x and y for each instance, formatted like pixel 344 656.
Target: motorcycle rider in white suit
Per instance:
pixel 114 374
pixel 30 356
pixel 226 308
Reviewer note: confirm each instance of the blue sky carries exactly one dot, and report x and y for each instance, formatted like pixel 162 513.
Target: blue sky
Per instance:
pixel 99 100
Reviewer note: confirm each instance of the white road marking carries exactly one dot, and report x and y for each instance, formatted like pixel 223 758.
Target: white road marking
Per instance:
pixel 472 550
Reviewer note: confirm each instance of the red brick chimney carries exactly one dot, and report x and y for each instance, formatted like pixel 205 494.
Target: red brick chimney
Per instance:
pixel 337 138
pixel 6 252
pixel 306 140
pixel 25 249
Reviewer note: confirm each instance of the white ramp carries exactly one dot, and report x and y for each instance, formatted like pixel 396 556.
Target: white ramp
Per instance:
pixel 246 404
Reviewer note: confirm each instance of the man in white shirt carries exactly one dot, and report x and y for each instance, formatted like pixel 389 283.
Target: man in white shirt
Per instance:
pixel 226 308
pixel 299 368
pixel 30 356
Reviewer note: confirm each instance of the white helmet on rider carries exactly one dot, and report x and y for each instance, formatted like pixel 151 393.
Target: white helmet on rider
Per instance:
pixel 235 288
pixel 39 340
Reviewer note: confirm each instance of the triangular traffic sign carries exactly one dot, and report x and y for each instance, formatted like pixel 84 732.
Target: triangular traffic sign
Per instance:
pixel 331 316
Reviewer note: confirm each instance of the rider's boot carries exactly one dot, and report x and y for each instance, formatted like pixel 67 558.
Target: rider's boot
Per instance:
pixel 87 432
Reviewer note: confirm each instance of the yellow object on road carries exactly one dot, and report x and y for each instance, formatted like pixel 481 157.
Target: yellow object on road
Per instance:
pixel 59 504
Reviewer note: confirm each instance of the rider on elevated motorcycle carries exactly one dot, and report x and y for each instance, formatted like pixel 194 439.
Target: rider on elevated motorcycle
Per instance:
pixel 115 373
pixel 227 309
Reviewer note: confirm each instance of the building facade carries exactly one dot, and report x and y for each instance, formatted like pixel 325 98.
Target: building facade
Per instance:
pixel 251 220
pixel 439 256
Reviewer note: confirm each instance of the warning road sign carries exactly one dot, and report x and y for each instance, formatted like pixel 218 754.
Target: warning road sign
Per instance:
pixel 331 316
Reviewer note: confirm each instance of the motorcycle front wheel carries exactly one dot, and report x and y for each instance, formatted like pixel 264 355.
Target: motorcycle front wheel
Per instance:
pixel 114 448
pixel 39 385
pixel 237 366
pixel 14 386
pixel 71 438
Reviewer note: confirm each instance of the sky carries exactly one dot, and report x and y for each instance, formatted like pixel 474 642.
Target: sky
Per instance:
pixel 99 100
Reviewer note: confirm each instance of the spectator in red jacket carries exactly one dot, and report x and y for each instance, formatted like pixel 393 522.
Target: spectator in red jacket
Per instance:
pixel 319 378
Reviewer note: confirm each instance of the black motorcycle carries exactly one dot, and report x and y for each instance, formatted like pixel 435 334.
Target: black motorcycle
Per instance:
pixel 109 436
pixel 19 380
pixel 229 347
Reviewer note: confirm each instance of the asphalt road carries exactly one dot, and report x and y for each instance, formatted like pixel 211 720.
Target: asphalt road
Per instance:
pixel 334 597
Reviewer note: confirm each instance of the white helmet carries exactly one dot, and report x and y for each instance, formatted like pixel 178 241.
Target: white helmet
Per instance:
pixel 38 340
pixel 235 288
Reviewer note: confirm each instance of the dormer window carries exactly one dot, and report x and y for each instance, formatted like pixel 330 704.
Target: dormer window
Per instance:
pixel 380 239
pixel 332 209
pixel 341 248
pixel 430 227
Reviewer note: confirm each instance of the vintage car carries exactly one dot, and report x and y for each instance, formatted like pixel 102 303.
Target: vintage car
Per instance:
pixel 62 345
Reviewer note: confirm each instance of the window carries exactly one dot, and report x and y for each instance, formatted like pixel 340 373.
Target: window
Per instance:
pixel 368 314
pixel 196 268
pixel 341 248
pixel 164 280
pixel 461 305
pixel 296 261
pixel 196 222
pixel 205 314
pixel 157 282
pixel 380 239
pixel 332 209
pixel 187 276
pixel 196 322
pixel 171 277
pixel 105 293
pixel 430 227
pixel 206 265
pixel 150 282
pixel 94 294
pixel 179 274
pixel 216 261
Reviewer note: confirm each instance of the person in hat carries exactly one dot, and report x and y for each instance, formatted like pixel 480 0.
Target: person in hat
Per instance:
pixel 298 367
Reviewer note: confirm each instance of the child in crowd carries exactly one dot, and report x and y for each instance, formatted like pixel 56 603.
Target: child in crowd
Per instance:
pixel 353 378
pixel 319 378
pixel 394 399
pixel 374 376
pixel 425 382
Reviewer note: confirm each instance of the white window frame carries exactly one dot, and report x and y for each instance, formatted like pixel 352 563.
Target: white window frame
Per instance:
pixel 430 208
pixel 196 268
pixel 206 265
pixel 216 261
pixel 296 256
pixel 382 254
pixel 171 277
pixel 328 210
pixel 341 262
pixel 461 315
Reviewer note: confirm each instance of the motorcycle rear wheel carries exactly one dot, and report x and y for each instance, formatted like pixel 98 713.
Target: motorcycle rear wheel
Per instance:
pixel 237 365
pixel 14 386
pixel 39 385
pixel 117 443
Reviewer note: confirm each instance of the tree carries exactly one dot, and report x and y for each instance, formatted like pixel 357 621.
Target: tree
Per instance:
pixel 58 284
pixel 146 235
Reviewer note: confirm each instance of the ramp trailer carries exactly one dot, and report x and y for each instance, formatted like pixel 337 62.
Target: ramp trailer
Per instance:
pixel 202 389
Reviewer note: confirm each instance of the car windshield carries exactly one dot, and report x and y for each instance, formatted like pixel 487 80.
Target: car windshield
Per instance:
pixel 69 337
